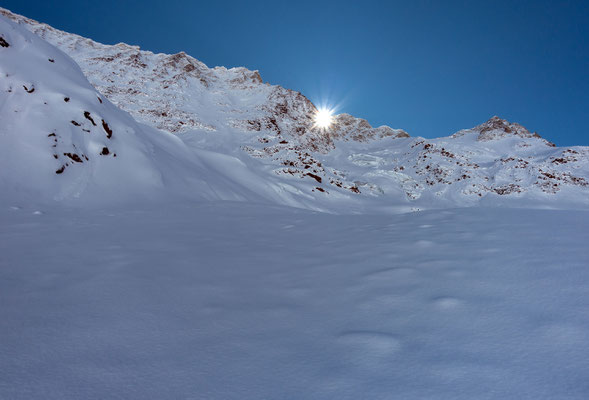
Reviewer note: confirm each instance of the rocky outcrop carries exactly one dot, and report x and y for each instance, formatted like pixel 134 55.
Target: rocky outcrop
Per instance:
pixel 497 128
pixel 234 111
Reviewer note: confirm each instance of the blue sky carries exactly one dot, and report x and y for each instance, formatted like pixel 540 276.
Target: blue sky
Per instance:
pixel 429 67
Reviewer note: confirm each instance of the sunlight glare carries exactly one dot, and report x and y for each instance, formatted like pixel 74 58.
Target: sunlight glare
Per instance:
pixel 323 118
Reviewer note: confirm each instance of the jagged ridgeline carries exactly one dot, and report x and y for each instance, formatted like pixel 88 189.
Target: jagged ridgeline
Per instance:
pixel 170 123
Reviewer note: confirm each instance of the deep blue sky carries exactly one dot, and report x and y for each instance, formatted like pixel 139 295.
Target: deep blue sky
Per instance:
pixel 429 67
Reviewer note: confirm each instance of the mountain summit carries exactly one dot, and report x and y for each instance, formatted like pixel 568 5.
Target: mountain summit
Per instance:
pixel 218 133
pixel 498 128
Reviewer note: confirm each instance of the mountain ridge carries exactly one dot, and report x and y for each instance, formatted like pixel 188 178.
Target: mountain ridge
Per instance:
pixel 271 131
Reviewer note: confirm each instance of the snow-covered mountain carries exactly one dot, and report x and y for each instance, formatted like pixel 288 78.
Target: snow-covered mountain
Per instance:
pixel 123 276
pixel 60 139
pixel 261 138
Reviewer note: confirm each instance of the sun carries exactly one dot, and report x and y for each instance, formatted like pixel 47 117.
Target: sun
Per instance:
pixel 323 118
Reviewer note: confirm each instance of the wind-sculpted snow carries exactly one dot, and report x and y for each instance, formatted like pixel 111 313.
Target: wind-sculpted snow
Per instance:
pixel 349 167
pixel 236 301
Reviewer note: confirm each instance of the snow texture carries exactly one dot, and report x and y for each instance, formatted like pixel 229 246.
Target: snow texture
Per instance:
pixel 206 242
pixel 237 301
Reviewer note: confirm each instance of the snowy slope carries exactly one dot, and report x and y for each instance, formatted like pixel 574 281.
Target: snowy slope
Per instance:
pixel 237 301
pixel 349 167
pixel 62 140
pixel 126 277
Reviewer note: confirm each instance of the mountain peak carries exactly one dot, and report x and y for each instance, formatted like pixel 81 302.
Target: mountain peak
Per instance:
pixel 237 138
pixel 496 128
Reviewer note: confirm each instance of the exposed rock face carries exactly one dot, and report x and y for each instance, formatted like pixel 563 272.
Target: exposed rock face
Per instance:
pixel 348 127
pixel 171 92
pixel 497 128
pixel 179 94
pixel 233 111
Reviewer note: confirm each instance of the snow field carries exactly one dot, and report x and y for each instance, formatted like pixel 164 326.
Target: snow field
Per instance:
pixel 239 301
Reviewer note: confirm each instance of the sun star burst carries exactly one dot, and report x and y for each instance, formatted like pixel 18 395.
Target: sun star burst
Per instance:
pixel 323 118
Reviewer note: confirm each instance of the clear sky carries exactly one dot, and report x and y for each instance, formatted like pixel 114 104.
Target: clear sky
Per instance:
pixel 429 67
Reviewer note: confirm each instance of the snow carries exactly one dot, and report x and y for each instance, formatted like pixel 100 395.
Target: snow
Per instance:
pixel 54 133
pixel 266 132
pixel 220 263
pixel 232 300
pixel 65 117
